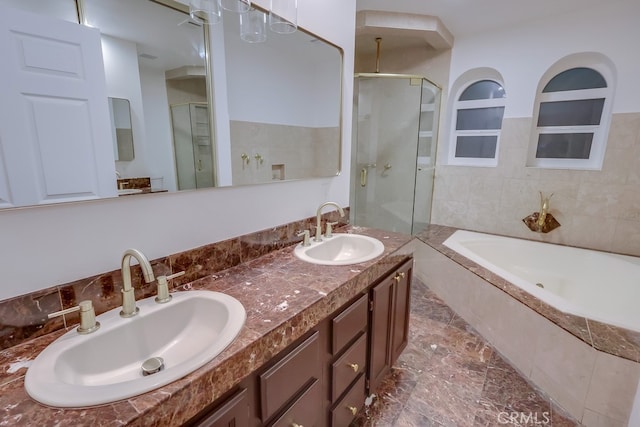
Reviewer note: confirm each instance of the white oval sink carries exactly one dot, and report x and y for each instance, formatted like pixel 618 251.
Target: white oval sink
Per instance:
pixel 105 366
pixel 341 249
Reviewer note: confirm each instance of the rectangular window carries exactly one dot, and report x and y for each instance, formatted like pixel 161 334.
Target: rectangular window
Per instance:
pixel 480 118
pixel 564 146
pixel 582 112
pixel 482 147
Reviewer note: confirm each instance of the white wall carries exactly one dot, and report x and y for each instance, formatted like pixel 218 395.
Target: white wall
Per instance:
pixel 252 74
pixel 47 246
pixel 123 81
pixel 522 54
pixel 157 120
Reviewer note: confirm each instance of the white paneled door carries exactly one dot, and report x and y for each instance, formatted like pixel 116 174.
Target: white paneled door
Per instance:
pixel 55 137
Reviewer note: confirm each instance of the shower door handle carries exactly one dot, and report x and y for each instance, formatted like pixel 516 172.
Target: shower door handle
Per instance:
pixel 364 173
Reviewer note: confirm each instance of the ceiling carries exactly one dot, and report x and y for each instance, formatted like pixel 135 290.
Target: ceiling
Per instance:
pixel 463 17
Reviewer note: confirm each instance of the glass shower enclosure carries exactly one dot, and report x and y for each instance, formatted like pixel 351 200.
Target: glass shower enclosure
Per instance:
pixel 393 151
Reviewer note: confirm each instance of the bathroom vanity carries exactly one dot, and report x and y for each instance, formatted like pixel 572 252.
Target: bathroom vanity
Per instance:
pixel 317 340
pixel 324 377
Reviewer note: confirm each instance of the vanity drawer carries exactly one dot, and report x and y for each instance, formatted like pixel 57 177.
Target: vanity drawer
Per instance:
pixel 234 411
pixel 347 324
pixel 286 378
pixel 348 367
pixel 305 411
pixel 346 409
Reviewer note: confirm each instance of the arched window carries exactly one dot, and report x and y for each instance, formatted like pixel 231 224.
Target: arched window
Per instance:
pixel 571 120
pixel 478 120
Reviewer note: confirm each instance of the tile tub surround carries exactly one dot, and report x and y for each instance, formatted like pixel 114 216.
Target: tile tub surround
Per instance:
pixel 562 354
pixel 25 317
pixel 284 298
pixel 609 339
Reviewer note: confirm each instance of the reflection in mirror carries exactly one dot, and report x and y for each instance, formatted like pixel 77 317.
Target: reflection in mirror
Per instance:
pixel 59 9
pixel 277 102
pixel 277 106
pixel 121 129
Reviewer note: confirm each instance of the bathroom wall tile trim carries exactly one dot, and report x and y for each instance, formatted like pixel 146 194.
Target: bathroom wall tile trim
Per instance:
pixel 25 317
pixel 606 338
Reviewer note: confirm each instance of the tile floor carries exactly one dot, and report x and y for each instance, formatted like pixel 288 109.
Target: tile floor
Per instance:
pixel 450 376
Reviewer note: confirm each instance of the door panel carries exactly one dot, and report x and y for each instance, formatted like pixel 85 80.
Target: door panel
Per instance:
pixel 55 133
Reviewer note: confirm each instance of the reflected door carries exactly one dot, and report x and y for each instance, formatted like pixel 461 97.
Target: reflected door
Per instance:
pixel 393 152
pixel 192 146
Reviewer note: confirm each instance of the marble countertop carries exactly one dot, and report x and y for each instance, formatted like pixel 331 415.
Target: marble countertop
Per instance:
pixel 284 298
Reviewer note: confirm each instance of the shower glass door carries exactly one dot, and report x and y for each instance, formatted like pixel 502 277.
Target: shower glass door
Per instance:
pixel 393 152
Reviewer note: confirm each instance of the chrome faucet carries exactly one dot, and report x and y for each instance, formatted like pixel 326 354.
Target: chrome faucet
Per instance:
pixel 129 308
pixel 318 237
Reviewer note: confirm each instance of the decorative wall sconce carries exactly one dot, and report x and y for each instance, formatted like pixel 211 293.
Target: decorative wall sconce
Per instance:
pixel 239 6
pixel 205 11
pixel 283 16
pixel 542 221
pixel 253 26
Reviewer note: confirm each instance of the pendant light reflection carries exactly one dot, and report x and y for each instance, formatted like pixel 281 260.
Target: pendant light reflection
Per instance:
pixel 283 16
pixel 238 6
pixel 205 11
pixel 253 26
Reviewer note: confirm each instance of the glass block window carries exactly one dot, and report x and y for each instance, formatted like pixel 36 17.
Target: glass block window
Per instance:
pixel 569 117
pixel 476 127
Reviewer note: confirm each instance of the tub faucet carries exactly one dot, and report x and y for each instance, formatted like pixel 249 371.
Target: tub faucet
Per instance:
pixel 129 308
pixel 544 209
pixel 318 237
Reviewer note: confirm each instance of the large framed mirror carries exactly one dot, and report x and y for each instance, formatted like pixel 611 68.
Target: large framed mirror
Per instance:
pixel 207 109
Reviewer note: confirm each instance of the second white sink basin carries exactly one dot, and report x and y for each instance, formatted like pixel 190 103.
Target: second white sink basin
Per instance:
pixel 106 365
pixel 341 249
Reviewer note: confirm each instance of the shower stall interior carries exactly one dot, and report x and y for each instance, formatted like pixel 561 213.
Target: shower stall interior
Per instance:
pixel 393 151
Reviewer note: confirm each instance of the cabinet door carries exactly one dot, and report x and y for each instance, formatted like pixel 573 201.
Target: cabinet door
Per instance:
pixel 381 319
pixel 55 133
pixel 232 413
pixel 401 306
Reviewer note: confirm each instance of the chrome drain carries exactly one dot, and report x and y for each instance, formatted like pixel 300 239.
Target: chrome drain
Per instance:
pixel 152 366
pixel 540 285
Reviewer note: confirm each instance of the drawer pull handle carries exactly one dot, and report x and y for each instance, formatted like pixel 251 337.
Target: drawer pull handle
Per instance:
pixel 354 366
pixel 353 409
pixel 399 276
pixel 296 425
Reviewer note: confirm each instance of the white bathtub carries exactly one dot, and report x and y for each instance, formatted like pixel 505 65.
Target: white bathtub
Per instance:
pixel 596 285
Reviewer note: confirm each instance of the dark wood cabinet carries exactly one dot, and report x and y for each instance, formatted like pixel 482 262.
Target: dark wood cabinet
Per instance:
pixel 323 378
pixel 379 332
pixel 401 308
pixel 233 412
pixel 388 322
pixel 299 370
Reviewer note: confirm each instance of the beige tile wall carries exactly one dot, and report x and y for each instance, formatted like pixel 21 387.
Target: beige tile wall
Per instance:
pixel 596 388
pixel 304 151
pixel 596 209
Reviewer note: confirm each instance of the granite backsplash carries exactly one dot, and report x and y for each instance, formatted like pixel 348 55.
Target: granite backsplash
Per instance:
pixel 25 317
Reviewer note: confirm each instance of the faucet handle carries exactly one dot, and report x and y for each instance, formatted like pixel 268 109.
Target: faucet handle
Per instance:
pixel 88 322
pixel 305 237
pixel 329 232
pixel 163 287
